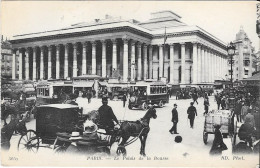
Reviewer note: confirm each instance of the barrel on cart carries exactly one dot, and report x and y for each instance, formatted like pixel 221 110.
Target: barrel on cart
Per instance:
pixel 225 118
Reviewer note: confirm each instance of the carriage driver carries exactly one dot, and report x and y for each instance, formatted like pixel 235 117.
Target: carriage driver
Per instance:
pixel 107 116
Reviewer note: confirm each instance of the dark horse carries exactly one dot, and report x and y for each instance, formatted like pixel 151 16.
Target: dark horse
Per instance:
pixel 127 129
pixel 138 128
pixel 8 130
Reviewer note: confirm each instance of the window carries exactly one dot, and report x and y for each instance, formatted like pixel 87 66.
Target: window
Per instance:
pixel 246 62
pixel 179 74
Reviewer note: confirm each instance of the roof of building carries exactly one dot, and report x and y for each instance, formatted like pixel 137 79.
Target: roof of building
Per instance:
pixel 155 26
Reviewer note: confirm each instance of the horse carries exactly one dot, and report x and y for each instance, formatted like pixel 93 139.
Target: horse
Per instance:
pixel 11 109
pixel 136 128
pixel 8 130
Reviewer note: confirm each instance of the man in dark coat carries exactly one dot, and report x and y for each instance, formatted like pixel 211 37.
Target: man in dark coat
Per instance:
pixel 206 105
pixel 107 116
pixel 218 100
pixel 175 120
pixel 124 100
pixel 192 111
pixel 89 95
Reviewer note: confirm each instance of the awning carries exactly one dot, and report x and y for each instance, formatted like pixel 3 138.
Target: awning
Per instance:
pixel 84 84
pixel 103 83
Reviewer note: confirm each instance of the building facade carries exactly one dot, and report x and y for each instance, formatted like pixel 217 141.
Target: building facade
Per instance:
pixel 134 49
pixel 6 60
pixel 245 60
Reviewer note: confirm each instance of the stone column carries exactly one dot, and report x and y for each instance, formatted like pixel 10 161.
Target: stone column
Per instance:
pixel 34 63
pixel 41 62
pixel 210 67
pixel 58 61
pixel 114 55
pixel 206 65
pixel 199 64
pixel 139 64
pixel 94 61
pixel 161 61
pixel 75 61
pixel 171 63
pixel 183 63
pixel 27 64
pixel 14 64
pixel 133 60
pixel 104 61
pixel 125 60
pixel 84 58
pixel 195 63
pixel 202 64
pixel 145 61
pixel 49 61
pixel 150 61
pixel 20 64
pixel 66 62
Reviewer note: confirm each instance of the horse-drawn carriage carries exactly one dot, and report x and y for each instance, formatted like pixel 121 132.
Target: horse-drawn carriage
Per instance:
pixel 225 118
pixel 57 124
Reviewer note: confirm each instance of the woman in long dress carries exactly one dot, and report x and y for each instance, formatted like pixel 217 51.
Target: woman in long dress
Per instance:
pixel 218 145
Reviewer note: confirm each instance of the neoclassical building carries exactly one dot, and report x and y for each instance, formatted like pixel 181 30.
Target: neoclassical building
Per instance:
pixel 135 49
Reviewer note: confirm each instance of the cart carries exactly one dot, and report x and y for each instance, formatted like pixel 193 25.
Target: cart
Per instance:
pixel 50 120
pixel 225 118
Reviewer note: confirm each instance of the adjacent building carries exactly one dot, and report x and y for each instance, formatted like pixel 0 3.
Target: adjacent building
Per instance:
pixel 6 60
pixel 245 59
pixel 163 47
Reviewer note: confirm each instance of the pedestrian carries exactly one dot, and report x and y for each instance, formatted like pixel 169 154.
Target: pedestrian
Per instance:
pixel 250 119
pixel 94 93
pixel 244 110
pixel 223 103
pixel 257 120
pixel 218 145
pixel 218 99
pixel 177 95
pixel 124 100
pixel 89 95
pixel 175 120
pixel 206 105
pixel 195 97
pixel 246 131
pixel 237 110
pixel 192 111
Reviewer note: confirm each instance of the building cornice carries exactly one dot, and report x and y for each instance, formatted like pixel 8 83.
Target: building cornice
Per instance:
pixel 84 33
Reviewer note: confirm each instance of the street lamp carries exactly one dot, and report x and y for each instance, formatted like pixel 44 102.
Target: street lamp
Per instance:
pixel 231 52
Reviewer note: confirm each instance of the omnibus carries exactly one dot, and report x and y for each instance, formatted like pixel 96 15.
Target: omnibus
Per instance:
pixel 144 93
pixel 49 92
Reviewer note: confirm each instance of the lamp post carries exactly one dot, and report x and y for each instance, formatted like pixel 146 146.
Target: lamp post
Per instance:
pixel 231 52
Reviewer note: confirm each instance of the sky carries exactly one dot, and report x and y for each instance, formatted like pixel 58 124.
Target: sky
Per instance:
pixel 221 19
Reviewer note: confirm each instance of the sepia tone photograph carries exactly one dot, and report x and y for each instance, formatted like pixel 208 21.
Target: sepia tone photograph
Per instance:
pixel 130 83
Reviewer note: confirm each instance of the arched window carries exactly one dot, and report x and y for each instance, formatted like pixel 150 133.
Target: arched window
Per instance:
pixel 179 70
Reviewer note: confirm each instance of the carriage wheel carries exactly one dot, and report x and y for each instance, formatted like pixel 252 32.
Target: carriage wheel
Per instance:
pixel 144 106
pixel 29 142
pixel 161 103
pixel 205 137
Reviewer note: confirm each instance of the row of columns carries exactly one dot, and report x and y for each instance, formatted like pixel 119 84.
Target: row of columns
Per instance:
pixel 207 64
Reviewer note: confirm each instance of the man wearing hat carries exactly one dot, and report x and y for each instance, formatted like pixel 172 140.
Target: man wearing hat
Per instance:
pixel 192 111
pixel 107 116
pixel 175 120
